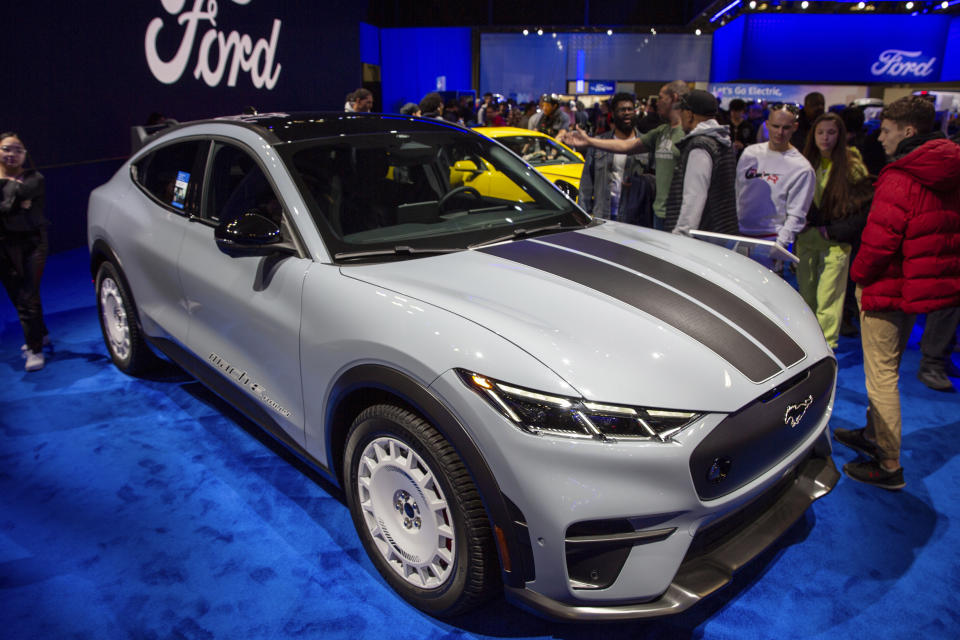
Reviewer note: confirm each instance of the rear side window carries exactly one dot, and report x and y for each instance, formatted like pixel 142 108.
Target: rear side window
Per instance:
pixel 172 175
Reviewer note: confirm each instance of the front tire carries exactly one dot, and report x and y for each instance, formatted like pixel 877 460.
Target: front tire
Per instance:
pixel 418 513
pixel 119 323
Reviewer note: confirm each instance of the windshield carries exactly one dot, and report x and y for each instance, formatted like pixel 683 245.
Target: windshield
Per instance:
pixel 539 151
pixel 422 190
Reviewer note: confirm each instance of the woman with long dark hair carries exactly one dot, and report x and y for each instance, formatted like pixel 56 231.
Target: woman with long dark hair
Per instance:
pixel 23 244
pixel 836 218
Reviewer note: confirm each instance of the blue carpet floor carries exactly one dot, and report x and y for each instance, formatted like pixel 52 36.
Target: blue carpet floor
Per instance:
pixel 134 508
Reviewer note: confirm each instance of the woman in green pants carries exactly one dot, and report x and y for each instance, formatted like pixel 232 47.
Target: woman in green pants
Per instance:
pixel 834 223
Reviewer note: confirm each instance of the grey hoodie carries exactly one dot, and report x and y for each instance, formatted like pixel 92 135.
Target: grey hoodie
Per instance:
pixel 697 175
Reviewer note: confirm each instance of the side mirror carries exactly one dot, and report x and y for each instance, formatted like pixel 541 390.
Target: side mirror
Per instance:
pixel 252 234
pixel 468 166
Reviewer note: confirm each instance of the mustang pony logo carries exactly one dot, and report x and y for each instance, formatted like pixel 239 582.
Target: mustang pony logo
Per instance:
pixel 795 412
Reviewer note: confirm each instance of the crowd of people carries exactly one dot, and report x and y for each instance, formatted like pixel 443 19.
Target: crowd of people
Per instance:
pixel 803 180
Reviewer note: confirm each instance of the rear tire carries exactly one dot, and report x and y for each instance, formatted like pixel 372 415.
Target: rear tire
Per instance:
pixel 120 323
pixel 418 513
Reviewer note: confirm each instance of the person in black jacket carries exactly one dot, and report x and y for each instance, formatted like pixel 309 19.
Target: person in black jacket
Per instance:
pixel 23 244
pixel 613 185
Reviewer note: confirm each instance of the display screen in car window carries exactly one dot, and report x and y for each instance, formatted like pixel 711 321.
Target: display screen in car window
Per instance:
pixel 180 189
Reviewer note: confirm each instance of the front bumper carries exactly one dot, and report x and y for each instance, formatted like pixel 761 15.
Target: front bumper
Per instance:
pixel 717 551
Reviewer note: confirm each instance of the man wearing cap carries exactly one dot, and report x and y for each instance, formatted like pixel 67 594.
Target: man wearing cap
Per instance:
pixel 552 120
pixel 775 186
pixel 702 194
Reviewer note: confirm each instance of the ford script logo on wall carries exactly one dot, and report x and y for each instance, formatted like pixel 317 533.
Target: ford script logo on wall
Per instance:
pixel 218 54
pixel 903 64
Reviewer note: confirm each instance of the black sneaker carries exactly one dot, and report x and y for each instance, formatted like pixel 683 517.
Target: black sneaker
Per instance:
pixel 871 472
pixel 936 379
pixel 856 440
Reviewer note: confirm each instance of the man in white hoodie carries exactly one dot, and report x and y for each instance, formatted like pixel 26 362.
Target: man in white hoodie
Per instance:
pixel 775 185
pixel 702 194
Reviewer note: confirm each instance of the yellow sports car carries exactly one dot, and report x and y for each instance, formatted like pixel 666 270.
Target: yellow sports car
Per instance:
pixel 559 163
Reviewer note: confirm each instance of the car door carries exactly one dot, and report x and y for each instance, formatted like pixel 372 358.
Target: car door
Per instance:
pixel 169 179
pixel 245 311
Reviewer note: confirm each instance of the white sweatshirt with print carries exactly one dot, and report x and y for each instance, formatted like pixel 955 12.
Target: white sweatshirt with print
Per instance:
pixel 774 191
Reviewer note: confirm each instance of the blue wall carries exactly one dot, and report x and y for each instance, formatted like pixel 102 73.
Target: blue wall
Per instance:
pixel 951 54
pixel 526 66
pixel 369 44
pixel 413 59
pixel 727 47
pixel 831 48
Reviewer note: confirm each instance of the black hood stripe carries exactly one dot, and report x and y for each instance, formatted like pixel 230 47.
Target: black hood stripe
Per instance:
pixel 647 296
pixel 754 323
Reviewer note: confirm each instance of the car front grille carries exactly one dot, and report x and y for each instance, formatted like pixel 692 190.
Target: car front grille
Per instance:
pixel 752 440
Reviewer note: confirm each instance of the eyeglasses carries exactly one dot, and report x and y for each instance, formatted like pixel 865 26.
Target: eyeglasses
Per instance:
pixel 792 108
pixel 14 149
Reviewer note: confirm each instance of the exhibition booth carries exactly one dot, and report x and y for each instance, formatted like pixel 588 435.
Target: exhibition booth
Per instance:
pixel 150 506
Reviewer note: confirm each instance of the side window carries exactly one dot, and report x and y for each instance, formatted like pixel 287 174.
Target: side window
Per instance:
pixel 237 185
pixel 173 174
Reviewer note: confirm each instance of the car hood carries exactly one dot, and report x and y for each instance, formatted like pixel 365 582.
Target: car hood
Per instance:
pixel 625 314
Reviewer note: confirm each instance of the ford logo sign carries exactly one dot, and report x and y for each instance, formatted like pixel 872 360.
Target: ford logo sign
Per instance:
pixel 719 469
pixel 900 63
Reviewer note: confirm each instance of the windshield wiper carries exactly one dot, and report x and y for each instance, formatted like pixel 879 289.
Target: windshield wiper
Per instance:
pixel 399 250
pixel 522 232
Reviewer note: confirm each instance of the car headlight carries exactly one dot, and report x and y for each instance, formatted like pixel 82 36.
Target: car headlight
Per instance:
pixel 538 412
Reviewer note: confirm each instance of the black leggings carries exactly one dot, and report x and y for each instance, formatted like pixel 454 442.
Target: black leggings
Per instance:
pixel 22 259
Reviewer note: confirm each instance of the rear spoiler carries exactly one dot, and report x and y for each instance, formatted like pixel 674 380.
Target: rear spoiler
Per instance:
pixel 141 134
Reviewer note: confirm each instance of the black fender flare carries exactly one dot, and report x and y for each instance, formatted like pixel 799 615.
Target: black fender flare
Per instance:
pixel 383 379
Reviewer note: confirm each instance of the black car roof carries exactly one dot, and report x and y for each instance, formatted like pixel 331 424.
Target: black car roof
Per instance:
pixel 296 126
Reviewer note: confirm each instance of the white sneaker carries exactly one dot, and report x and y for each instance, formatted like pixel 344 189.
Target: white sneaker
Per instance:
pixel 46 343
pixel 35 361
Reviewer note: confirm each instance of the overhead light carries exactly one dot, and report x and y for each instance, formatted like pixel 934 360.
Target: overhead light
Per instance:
pixel 539 32
pixel 554 35
pixel 753 4
pixel 526 32
pixel 653 31
pixel 909 6
pixel 609 32
pixel 861 5
pixel 698 32
pixel 804 4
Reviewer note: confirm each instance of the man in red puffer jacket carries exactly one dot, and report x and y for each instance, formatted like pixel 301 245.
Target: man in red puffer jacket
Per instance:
pixel 909 263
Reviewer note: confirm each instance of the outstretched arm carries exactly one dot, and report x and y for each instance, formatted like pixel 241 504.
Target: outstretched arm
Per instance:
pixel 579 139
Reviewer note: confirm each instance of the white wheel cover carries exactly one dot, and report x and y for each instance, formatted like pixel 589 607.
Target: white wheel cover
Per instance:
pixel 114 318
pixel 406 513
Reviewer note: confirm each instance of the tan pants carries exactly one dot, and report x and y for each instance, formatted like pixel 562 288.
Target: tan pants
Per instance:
pixel 884 335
